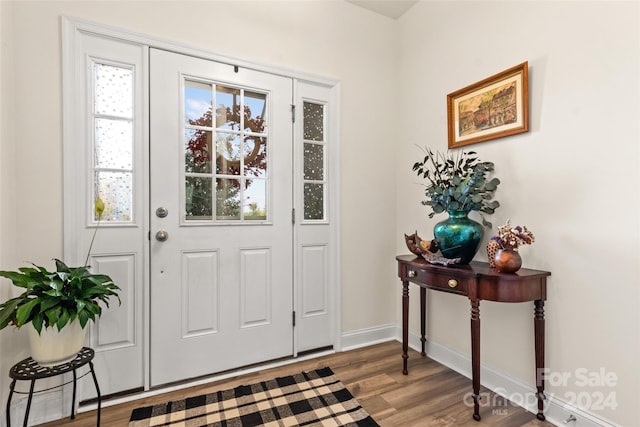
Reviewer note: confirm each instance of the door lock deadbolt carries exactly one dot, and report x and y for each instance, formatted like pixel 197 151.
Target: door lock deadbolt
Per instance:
pixel 162 212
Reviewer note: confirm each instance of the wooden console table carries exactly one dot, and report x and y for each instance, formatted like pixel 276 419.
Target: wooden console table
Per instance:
pixel 477 281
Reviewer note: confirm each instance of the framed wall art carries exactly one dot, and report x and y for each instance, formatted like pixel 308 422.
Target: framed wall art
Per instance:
pixel 495 107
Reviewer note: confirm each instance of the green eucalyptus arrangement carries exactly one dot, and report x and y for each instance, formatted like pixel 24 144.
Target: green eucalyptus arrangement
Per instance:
pixel 457 181
pixel 56 298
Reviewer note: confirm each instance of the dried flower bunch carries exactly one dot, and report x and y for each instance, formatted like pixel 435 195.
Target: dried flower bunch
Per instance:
pixel 511 237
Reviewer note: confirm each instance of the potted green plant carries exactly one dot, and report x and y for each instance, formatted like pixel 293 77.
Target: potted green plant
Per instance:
pixel 58 304
pixel 458 183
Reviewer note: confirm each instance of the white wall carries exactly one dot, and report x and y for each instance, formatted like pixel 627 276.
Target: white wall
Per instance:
pixel 326 38
pixel 572 179
pixel 7 177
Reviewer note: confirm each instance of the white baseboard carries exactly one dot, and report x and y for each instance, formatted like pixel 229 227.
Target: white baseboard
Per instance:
pixel 45 407
pixel 369 336
pixel 557 411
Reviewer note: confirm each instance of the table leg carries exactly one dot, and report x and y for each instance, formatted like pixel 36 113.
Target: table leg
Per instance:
pixel 95 381
pixel 26 414
pixel 405 326
pixel 475 357
pixel 538 324
pixel 11 387
pixel 423 306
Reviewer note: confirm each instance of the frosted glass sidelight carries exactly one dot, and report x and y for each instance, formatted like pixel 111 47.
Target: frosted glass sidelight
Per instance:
pixel 313 201
pixel 114 143
pixel 198 197
pixel 313 117
pixel 197 151
pixel 115 189
pixel 313 162
pixel 113 89
pixel 314 154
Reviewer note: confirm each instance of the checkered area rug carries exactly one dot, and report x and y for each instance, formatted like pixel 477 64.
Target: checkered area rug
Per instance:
pixel 315 398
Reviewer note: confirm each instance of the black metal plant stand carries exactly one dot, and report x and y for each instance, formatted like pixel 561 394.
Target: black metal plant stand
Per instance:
pixel 29 370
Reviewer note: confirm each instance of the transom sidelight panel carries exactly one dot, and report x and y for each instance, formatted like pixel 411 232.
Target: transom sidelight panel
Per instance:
pixel 226 156
pixel 104 150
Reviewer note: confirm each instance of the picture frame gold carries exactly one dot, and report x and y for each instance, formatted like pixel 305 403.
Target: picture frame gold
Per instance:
pixel 494 107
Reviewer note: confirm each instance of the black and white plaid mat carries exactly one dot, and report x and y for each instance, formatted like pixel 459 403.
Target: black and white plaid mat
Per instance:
pixel 315 398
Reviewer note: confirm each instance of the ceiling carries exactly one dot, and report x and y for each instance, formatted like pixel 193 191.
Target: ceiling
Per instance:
pixel 391 8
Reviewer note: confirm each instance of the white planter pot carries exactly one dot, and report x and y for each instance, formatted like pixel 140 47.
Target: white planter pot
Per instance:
pixel 53 347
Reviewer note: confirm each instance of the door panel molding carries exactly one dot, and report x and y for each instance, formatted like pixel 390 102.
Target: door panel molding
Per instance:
pixel 314 284
pixel 117 326
pixel 200 303
pixel 255 287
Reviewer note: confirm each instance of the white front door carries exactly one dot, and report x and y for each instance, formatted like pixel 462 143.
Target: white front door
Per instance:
pixel 217 293
pixel 221 217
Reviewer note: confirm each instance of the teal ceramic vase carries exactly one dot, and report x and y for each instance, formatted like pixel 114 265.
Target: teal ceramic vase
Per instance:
pixel 459 236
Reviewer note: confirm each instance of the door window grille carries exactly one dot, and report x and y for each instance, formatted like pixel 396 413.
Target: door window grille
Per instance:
pixel 225 153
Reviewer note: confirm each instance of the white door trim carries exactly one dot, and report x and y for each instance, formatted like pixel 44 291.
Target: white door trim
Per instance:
pixel 71 28
pixel 71 25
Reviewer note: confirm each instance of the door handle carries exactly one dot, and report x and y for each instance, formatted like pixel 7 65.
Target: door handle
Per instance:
pixel 162 236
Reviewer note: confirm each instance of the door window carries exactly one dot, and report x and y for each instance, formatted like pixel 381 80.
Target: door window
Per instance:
pixel 314 161
pixel 113 141
pixel 225 153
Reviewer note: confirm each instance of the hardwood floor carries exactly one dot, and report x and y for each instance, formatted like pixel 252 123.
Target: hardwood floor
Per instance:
pixel 431 395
